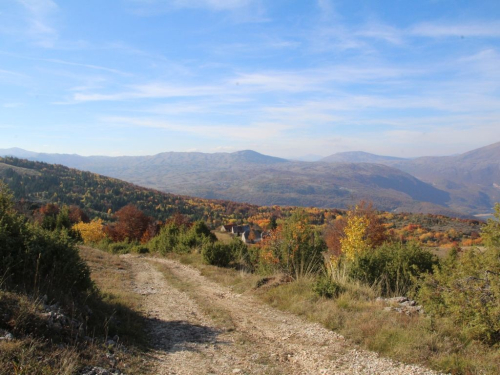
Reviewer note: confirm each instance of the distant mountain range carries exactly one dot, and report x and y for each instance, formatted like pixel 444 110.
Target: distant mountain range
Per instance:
pixel 359 157
pixel 472 179
pixel 452 185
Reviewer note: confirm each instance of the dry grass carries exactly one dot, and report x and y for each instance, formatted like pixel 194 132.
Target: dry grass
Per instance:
pixel 24 357
pixel 114 279
pixel 240 281
pixel 442 252
pixel 224 237
pixel 221 317
pixel 362 320
pixel 39 348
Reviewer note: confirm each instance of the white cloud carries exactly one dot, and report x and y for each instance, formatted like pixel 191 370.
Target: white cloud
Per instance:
pixel 248 85
pixel 39 15
pixel 39 7
pixel 437 30
pixel 89 66
pixel 383 32
pixel 12 105
pixel 253 131
pixel 240 11
pixel 213 4
pixel 11 73
pixel 152 91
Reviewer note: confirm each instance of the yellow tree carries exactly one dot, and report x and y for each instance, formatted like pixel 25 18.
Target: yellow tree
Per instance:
pixel 359 229
pixel 91 232
pixel 354 240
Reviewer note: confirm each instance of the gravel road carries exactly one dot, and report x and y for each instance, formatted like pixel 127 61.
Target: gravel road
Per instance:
pixel 208 329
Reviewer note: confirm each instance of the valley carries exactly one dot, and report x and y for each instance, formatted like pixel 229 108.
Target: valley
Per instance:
pixel 459 185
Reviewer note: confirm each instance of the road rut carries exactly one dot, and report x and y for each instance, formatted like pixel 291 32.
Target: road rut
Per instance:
pixel 251 337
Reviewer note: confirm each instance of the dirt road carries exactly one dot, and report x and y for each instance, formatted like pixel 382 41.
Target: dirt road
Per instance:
pixel 199 327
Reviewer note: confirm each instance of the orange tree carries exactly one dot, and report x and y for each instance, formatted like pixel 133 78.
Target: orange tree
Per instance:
pixel 131 224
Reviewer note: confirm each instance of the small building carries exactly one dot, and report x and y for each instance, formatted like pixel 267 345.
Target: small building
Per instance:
pixel 238 230
pixel 251 236
pixel 227 228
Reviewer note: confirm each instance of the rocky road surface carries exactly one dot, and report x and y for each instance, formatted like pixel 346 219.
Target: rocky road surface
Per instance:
pixel 205 328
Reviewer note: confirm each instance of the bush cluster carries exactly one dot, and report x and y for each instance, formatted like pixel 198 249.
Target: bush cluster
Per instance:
pixel 465 289
pixel 325 286
pixel 222 255
pixel 393 267
pixel 36 259
pixel 294 248
pixel 217 254
pixel 181 238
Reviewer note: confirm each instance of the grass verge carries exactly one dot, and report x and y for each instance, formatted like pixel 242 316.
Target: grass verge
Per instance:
pixel 38 346
pixel 357 315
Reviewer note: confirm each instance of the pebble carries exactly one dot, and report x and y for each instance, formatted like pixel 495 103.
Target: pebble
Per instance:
pixel 7 336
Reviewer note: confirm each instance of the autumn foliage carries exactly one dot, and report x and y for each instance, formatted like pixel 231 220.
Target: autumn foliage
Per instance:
pixel 294 247
pixel 359 230
pixel 92 232
pixel 131 225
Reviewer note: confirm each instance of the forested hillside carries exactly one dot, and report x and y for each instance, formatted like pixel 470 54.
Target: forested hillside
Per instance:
pixel 251 177
pixel 37 184
pixel 42 183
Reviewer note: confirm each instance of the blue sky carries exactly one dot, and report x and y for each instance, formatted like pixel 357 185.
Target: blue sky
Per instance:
pixel 282 77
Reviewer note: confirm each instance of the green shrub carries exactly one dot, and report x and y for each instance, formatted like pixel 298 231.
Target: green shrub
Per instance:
pixel 180 239
pixel 326 287
pixel 119 247
pixel 242 254
pixel 466 288
pixel 195 237
pixel 37 259
pixel 139 249
pixel 104 244
pixel 294 248
pixel 217 253
pixel 166 241
pixel 394 267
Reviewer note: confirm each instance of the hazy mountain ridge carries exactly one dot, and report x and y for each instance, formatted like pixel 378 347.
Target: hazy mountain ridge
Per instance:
pixel 467 183
pixel 358 157
pixel 472 179
pixel 250 177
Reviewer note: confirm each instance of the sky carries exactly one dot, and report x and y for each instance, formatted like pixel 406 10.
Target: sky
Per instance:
pixel 286 78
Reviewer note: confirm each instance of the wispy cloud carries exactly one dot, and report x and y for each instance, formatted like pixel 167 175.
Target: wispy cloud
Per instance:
pixel 440 30
pixel 217 5
pixel 212 4
pixel 12 105
pixel 259 82
pixel 253 131
pixel 240 10
pixel 89 66
pixel 151 91
pixel 66 62
pixel 11 73
pixel 38 18
pixel 381 31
